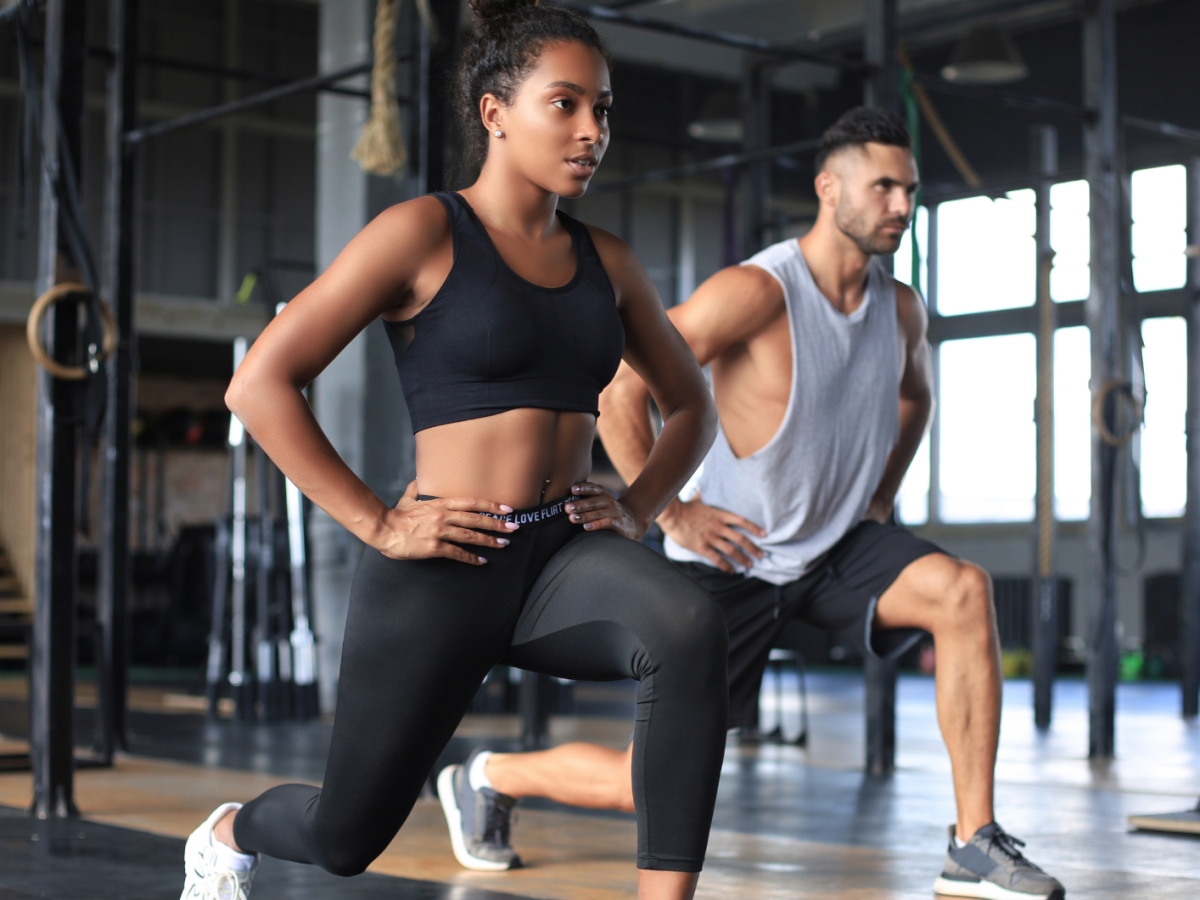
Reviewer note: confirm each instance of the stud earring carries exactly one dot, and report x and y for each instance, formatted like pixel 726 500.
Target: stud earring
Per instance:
pixel 498 133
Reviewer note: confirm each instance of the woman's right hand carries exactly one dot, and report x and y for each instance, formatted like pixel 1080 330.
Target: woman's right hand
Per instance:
pixel 424 529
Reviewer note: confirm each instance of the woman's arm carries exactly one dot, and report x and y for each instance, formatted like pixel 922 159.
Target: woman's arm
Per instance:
pixel 657 353
pixel 395 264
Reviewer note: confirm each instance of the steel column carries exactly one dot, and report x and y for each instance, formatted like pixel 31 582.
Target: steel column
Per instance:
pixel 1103 319
pixel 1044 617
pixel 1190 601
pixel 115 574
pixel 436 87
pixel 882 88
pixel 931 301
pixel 52 661
pixel 880 37
pixel 756 124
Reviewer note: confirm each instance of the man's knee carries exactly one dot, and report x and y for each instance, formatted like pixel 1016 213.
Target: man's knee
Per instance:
pixel 969 597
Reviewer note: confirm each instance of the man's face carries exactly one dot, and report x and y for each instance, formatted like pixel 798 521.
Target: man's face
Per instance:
pixel 873 190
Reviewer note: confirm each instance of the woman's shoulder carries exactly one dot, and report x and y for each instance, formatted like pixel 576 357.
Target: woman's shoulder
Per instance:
pixel 422 219
pixel 614 253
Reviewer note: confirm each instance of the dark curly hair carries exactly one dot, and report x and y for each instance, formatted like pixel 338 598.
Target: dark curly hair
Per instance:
pixel 862 125
pixel 508 39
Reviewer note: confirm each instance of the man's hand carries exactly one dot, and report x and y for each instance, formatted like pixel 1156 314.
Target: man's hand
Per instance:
pixel 711 532
pixel 880 509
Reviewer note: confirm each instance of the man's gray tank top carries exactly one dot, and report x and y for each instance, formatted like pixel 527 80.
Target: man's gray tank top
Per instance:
pixel 813 480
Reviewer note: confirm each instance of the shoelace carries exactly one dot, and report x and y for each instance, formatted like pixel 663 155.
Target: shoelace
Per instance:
pixel 1008 845
pixel 497 824
pixel 213 882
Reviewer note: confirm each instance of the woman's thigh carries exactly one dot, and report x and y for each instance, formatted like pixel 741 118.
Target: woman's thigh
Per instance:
pixel 420 637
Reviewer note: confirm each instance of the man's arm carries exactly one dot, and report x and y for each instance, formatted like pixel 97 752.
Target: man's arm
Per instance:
pixel 916 400
pixel 730 308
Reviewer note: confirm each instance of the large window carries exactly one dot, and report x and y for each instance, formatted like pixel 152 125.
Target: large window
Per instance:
pixel 912 500
pixel 1071 239
pixel 986 253
pixel 1072 423
pixel 986 430
pixel 1159 207
pixel 1163 443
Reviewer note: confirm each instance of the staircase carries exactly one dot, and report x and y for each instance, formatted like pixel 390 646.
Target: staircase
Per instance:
pixel 16 613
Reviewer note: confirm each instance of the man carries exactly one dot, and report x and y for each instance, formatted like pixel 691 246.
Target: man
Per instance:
pixel 822 378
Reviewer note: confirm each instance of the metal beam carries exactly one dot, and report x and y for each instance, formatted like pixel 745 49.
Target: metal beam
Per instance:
pixel 1045 582
pixel 716 164
pixel 882 89
pixel 756 121
pixel 115 570
pixel 1104 322
pixel 269 96
pixel 52 662
pixel 708 35
pixel 1190 599
pixel 436 70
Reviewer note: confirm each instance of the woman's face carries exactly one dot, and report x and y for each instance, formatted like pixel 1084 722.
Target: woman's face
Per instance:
pixel 556 130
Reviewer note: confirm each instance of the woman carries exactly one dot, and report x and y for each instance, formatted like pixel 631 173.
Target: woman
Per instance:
pixel 507 319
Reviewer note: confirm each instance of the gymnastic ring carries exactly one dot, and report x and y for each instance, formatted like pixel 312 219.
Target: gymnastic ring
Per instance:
pixel 1107 436
pixel 34 323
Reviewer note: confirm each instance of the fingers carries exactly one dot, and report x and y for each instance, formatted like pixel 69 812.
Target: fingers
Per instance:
pixel 716 558
pixel 732 551
pixel 468 536
pixel 452 552
pixel 473 504
pixel 410 493
pixel 736 537
pixel 599 524
pixel 477 521
pixel 587 489
pixel 733 519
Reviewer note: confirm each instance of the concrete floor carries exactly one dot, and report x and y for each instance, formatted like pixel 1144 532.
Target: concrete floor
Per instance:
pixel 790 822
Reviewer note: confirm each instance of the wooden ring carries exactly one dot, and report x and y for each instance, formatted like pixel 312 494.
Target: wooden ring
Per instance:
pixel 1101 395
pixel 34 323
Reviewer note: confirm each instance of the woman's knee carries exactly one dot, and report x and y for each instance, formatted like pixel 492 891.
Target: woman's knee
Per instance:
pixel 345 859
pixel 693 636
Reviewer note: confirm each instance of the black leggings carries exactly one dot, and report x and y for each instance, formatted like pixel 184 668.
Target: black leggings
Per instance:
pixel 422 634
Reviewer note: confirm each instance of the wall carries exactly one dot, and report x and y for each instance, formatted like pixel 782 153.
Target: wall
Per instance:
pixel 18 445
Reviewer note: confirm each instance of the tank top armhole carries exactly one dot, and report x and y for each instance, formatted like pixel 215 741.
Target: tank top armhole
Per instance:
pixel 448 205
pixel 583 239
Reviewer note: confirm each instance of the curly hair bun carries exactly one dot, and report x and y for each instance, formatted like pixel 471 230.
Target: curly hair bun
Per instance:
pixel 488 12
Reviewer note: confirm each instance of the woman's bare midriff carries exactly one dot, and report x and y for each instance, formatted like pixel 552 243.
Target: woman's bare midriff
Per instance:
pixel 521 457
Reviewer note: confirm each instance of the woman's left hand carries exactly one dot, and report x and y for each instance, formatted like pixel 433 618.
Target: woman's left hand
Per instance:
pixel 596 509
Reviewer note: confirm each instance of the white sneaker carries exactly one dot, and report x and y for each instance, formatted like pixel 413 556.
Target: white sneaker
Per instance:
pixel 207 877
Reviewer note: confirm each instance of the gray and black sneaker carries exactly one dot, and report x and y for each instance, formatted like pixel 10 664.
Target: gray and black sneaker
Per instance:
pixel 991 865
pixel 479 821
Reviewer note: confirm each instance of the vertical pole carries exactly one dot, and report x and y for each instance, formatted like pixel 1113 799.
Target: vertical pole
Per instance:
pixel 112 600
pixel 437 63
pixel 756 124
pixel 228 191
pixel 239 676
pixel 1045 629
pixel 1190 601
pixel 1103 319
pixel 882 89
pixel 880 37
pixel 931 301
pixel 52 661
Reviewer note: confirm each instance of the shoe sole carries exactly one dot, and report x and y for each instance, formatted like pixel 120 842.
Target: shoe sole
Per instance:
pixel 446 793
pixel 986 890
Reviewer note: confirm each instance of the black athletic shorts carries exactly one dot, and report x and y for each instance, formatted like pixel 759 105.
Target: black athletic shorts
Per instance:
pixel 837 594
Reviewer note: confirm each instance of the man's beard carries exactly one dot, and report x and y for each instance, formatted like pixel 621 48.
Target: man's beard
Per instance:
pixel 850 223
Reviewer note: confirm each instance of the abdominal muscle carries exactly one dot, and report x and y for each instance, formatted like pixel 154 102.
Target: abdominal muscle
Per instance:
pixel 522 457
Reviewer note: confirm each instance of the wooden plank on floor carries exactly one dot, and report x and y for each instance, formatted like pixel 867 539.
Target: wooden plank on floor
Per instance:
pixel 1187 822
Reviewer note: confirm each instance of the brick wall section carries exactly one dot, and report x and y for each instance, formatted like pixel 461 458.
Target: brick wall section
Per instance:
pixel 18 452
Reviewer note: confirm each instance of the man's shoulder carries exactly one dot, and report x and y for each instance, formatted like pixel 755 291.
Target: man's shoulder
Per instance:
pixel 910 309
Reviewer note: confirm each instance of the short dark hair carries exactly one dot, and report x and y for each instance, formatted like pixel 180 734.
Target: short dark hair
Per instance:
pixel 509 37
pixel 860 126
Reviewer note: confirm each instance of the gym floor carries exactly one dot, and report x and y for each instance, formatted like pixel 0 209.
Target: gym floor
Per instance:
pixel 790 822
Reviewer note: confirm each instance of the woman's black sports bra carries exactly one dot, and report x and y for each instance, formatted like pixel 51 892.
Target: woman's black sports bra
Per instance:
pixel 490 341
